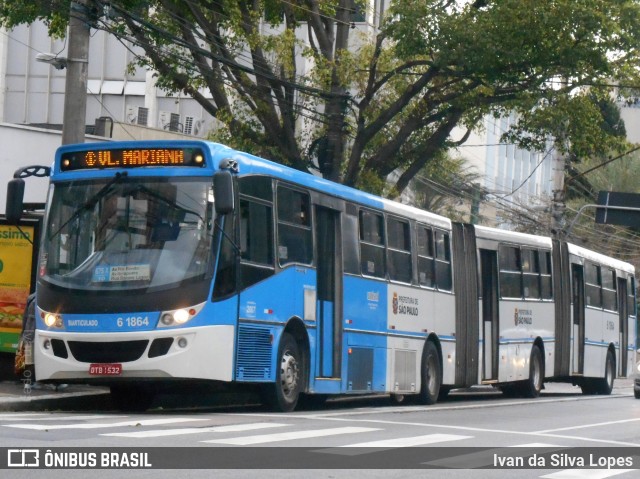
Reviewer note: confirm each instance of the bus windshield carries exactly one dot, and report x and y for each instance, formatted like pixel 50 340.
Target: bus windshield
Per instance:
pixel 127 233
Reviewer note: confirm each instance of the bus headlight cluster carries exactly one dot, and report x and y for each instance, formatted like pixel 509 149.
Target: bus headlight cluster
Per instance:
pixel 52 320
pixel 178 317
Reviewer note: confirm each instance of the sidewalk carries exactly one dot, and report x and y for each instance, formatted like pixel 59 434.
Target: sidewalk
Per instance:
pixel 16 396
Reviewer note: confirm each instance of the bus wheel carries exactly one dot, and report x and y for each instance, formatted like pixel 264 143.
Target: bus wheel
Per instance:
pixel 283 395
pixel 532 386
pixel 431 375
pixel 131 399
pixel 605 385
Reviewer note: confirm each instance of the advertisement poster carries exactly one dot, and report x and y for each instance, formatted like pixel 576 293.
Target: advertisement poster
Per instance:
pixel 15 281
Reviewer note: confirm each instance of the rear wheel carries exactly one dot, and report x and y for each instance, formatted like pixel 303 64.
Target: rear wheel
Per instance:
pixel 431 375
pixel 602 385
pixel 532 386
pixel 283 395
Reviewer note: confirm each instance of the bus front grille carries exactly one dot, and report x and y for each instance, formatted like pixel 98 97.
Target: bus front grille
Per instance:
pixel 109 352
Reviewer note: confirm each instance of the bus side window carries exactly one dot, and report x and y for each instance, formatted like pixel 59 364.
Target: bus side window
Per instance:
pixel 592 286
pixel 510 272
pixel 399 251
pixel 631 296
pixel 609 294
pixel 443 261
pixel 371 244
pixel 530 273
pixel 546 290
pixel 351 251
pixel 256 229
pixel 426 266
pixel 294 227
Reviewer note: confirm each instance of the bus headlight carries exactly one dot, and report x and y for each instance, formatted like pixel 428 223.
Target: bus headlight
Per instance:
pixel 178 317
pixel 51 320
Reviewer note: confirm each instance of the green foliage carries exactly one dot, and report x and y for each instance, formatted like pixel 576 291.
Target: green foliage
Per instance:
pixel 285 76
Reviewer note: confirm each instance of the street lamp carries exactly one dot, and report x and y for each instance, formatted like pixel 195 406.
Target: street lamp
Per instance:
pixel 59 63
pixel 75 93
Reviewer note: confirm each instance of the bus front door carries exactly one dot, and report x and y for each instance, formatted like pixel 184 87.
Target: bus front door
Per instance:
pixel 577 287
pixel 329 292
pixel 490 316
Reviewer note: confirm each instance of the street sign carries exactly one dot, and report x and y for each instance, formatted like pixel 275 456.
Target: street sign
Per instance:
pixel 616 208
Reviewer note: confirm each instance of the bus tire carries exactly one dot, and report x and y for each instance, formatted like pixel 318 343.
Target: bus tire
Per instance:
pixel 604 385
pixel 283 395
pixel 431 372
pixel 533 385
pixel 131 399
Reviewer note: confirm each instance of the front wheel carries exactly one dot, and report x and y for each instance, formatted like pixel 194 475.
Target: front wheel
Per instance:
pixel 431 375
pixel 283 395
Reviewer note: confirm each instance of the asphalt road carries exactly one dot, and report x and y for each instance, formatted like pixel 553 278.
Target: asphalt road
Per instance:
pixel 478 432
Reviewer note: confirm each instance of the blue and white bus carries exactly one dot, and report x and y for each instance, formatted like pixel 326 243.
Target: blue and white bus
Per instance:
pixel 180 263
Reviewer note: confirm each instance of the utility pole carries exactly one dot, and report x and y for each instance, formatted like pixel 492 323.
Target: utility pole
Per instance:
pixel 75 93
pixel 558 205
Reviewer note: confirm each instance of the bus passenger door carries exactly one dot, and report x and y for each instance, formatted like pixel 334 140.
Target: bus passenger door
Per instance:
pixel 490 317
pixel 577 287
pixel 329 292
pixel 623 313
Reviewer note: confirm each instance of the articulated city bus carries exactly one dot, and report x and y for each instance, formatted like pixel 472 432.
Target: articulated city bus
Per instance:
pixel 181 263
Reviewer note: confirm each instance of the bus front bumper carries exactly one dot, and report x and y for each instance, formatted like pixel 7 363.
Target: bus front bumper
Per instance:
pixel 191 353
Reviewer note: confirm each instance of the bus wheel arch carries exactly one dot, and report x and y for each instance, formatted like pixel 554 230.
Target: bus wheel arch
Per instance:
pixel 535 382
pixel 292 367
pixel 430 371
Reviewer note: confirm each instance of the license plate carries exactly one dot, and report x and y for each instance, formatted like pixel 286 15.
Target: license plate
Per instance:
pixel 105 369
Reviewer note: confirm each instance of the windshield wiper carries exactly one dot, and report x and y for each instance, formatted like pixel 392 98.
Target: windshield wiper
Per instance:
pixel 91 202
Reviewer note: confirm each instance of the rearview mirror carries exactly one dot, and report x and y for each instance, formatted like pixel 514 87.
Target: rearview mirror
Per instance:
pixel 15 200
pixel 223 192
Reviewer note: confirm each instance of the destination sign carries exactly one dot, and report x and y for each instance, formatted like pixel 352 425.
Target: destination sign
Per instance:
pixel 131 158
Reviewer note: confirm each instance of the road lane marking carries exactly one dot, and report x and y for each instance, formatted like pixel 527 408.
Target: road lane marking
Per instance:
pixel 583 426
pixel 411 441
pixel 196 430
pixel 586 473
pixel 59 418
pixel 101 425
pixel 289 436
pixel 460 428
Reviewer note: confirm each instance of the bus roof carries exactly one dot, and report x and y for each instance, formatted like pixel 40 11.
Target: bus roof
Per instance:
pixel 600 258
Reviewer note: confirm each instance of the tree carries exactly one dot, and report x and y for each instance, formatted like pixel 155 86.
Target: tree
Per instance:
pixel 297 82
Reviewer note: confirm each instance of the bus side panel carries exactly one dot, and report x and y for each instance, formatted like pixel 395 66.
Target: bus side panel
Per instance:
pixel 595 348
pixel 524 321
pixel 365 316
pixel 412 315
pixel 264 310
